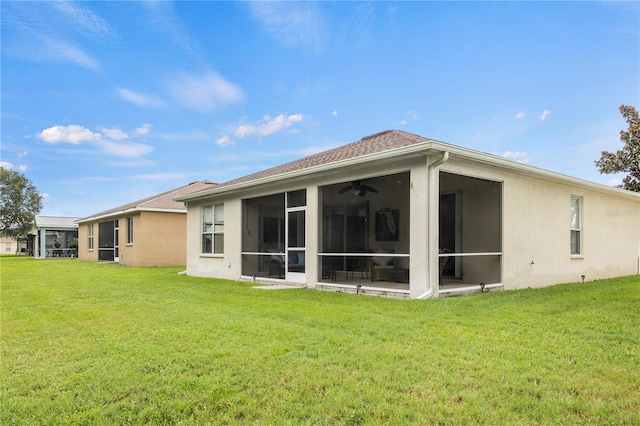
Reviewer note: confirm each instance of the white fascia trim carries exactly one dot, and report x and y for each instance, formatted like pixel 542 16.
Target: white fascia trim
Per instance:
pixel 430 147
pixel 525 169
pixel 113 215
pixel 420 148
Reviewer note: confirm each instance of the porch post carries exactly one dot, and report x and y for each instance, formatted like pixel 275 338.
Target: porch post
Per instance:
pixel 433 234
pixel 42 243
pixel 314 206
pixel 418 268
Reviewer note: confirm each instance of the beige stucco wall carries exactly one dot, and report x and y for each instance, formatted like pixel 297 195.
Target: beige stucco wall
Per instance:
pixel 159 239
pixel 534 236
pixel 227 265
pixel 537 250
pixel 83 240
pixel 11 244
pixel 163 238
pixel 131 254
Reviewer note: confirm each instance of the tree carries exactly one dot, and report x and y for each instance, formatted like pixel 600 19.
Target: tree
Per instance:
pixel 19 204
pixel 627 159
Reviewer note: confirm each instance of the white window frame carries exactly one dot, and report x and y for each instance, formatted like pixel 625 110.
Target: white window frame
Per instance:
pixel 90 237
pixel 213 228
pixel 129 230
pixel 575 225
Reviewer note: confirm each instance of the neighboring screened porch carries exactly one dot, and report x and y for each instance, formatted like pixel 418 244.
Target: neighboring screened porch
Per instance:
pixel 108 241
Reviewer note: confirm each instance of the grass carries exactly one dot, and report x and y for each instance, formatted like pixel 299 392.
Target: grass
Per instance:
pixel 89 343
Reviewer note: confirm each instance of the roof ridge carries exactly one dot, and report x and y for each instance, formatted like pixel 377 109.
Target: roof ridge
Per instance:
pixel 375 135
pixel 376 142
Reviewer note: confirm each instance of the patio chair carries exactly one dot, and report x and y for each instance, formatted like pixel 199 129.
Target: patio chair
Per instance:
pixel 276 267
pixel 381 265
pixel 358 264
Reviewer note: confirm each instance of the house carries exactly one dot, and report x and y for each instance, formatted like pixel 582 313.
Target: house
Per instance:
pixel 53 236
pixel 148 232
pixel 401 215
pixel 9 245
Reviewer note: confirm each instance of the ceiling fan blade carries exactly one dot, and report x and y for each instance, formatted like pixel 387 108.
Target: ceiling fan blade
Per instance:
pixel 345 189
pixel 368 188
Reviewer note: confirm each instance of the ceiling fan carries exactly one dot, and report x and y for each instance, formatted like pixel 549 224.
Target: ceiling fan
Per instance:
pixel 358 188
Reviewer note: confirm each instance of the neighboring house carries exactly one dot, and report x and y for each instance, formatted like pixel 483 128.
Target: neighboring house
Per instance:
pixel 148 232
pixel 53 236
pixel 9 245
pixel 400 215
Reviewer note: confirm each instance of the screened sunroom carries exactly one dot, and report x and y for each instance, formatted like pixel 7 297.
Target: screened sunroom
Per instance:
pixel 470 231
pixel 365 231
pixel 272 246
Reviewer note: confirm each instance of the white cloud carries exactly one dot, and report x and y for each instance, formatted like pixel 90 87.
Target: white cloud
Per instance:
pixel 68 134
pixel 45 32
pixel 139 99
pixel 115 134
pixel 144 130
pixel 10 166
pixel 134 163
pixel 334 113
pixel 205 92
pixel 193 135
pixel 84 20
pixel 61 50
pixel 163 176
pixel 23 154
pixel 519 156
pixel 268 126
pixel 109 143
pixel 520 115
pixel 291 23
pixel 125 149
pixel 224 141
pixel 544 115
pixel 413 114
pixel 161 20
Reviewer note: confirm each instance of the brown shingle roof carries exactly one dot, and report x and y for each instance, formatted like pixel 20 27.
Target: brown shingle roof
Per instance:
pixel 378 142
pixel 163 201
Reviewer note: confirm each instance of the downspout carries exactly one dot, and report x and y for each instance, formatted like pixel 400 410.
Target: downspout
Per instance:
pixel 432 230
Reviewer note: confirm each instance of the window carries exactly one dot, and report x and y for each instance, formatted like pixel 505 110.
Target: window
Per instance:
pixel 129 230
pixel 213 229
pixel 7 246
pixel 576 225
pixel 90 237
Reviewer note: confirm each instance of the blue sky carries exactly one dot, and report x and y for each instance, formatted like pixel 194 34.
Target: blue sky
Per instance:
pixel 104 103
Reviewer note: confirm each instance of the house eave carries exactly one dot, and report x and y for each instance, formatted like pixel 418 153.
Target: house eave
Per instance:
pixel 125 212
pixel 532 171
pixel 428 148
pixel 392 154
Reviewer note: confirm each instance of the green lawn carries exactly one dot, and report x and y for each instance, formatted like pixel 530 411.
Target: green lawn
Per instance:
pixel 88 343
